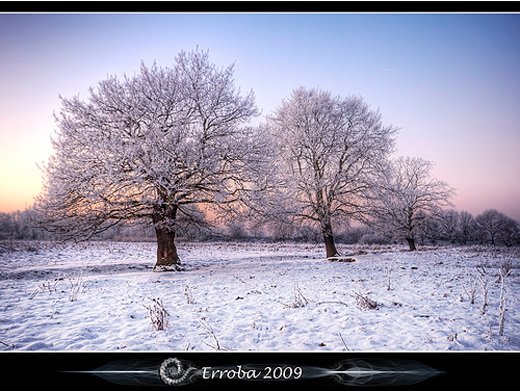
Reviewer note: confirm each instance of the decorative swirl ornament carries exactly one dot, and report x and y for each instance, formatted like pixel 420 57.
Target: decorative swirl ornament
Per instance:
pixel 172 373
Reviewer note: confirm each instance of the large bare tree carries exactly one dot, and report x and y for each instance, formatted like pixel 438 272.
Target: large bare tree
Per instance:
pixel 328 148
pixel 405 196
pixel 159 145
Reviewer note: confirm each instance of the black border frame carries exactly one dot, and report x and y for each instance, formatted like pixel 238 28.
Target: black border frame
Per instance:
pixel 465 370
pixel 259 6
pixel 461 369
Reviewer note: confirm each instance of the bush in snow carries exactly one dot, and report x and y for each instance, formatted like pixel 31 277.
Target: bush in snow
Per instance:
pixel 188 295
pixel 236 230
pixel 370 238
pixel 299 300
pixel 158 314
pixel 209 330
pixel 76 285
pixel 483 277
pixel 364 302
pixel 471 289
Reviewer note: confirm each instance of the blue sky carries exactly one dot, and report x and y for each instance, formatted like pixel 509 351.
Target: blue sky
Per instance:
pixel 449 82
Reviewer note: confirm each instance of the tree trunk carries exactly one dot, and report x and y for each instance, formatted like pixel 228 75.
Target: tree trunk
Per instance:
pixel 330 246
pixel 411 244
pixel 167 257
pixel 328 238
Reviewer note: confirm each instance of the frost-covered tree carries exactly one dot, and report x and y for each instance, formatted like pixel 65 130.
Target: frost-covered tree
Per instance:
pixel 328 147
pixel 7 226
pixel 448 221
pixel 405 196
pixel 19 225
pixel 466 227
pixel 160 145
pixel 497 228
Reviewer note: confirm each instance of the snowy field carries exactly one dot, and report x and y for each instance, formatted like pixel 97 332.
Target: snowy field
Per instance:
pixel 255 297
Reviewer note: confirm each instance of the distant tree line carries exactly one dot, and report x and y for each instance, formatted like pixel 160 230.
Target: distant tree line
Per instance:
pixel 447 227
pixel 20 225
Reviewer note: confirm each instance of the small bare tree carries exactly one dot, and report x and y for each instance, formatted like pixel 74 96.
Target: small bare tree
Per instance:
pixel 403 196
pixel 466 227
pixel 497 228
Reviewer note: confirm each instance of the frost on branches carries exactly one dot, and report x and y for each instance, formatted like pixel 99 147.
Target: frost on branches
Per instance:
pixel 405 196
pixel 328 149
pixel 157 145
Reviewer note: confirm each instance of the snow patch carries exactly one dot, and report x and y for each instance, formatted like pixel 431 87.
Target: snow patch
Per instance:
pixel 239 298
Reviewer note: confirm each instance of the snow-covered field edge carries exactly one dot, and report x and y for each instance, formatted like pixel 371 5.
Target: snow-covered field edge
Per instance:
pixel 103 296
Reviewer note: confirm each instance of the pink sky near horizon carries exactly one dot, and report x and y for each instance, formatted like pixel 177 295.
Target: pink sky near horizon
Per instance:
pixel 449 82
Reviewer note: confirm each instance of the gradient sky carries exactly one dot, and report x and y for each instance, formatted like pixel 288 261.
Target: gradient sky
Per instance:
pixel 451 83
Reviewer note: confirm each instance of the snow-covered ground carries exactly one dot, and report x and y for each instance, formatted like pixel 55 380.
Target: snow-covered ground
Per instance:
pixel 259 297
